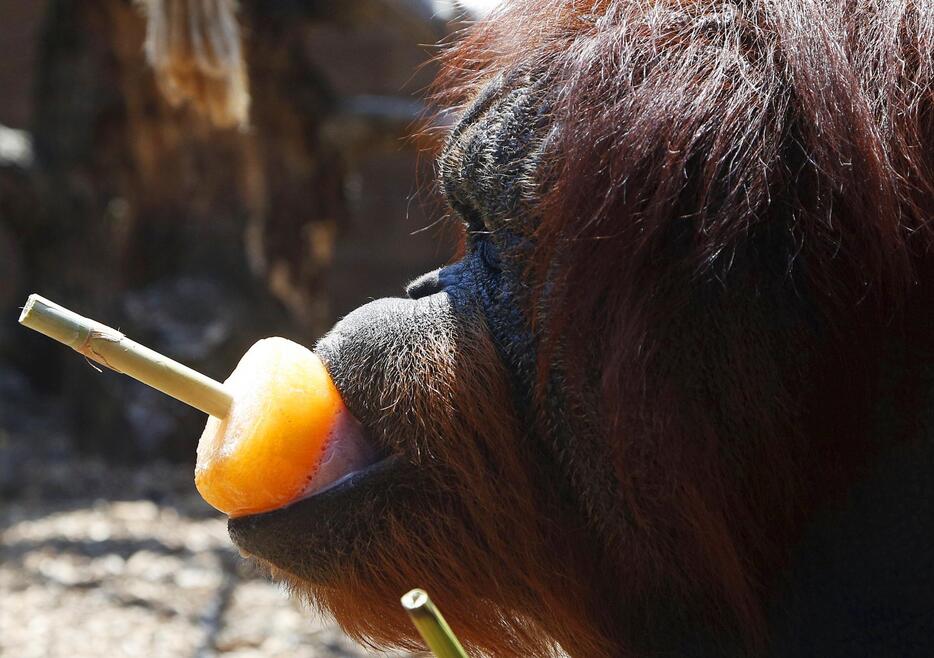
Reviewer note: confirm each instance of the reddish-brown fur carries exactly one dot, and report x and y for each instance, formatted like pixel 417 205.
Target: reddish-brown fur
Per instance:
pixel 737 205
pixel 512 569
pixel 734 117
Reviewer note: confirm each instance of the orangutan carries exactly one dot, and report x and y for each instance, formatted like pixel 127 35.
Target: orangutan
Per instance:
pixel 675 397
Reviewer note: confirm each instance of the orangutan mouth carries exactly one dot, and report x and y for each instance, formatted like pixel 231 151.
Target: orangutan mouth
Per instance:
pixel 331 523
pixel 347 452
pixel 352 485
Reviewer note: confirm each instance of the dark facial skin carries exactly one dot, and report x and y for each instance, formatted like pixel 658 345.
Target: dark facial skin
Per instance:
pixel 371 354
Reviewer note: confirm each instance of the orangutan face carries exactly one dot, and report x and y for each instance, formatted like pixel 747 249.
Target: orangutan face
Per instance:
pixel 464 489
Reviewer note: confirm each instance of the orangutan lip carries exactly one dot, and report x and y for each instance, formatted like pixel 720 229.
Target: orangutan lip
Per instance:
pixel 347 451
pixel 329 524
pixel 352 501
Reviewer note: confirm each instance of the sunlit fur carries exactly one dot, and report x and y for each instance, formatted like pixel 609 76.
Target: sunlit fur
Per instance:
pixel 485 532
pixel 732 228
pixel 739 199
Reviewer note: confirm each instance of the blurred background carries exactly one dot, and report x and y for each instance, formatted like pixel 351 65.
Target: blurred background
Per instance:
pixel 195 235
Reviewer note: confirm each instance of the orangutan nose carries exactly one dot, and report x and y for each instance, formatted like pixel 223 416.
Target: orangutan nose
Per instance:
pixel 426 284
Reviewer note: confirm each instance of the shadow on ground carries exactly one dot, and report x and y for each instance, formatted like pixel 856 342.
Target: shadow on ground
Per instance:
pixel 98 559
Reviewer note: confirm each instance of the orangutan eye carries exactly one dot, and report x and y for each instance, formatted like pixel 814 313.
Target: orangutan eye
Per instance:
pixel 472 218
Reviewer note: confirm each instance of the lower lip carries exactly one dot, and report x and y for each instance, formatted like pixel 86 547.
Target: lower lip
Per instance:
pixel 313 537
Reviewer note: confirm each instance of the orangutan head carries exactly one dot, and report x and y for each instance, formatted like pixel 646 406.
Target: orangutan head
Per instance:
pixel 688 226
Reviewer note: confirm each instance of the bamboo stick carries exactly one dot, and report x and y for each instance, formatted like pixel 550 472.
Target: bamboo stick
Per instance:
pixel 112 349
pixel 431 625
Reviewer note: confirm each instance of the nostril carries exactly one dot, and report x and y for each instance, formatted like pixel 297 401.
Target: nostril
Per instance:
pixel 426 284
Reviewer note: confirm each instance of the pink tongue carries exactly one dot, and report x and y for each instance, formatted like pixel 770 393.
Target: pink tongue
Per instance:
pixel 345 453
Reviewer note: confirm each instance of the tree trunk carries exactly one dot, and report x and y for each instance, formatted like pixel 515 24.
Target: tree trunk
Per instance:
pixel 156 222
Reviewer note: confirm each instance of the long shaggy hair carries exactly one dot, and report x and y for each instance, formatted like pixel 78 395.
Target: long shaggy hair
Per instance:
pixel 738 198
pixel 733 218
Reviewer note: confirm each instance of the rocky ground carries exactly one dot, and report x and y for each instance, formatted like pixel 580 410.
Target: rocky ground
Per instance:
pixel 111 560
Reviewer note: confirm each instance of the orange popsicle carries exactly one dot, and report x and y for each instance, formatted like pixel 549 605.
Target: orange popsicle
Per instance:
pixel 264 454
pixel 277 431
